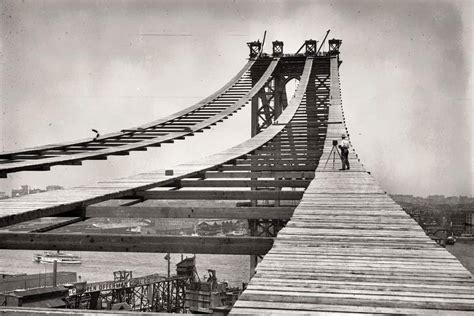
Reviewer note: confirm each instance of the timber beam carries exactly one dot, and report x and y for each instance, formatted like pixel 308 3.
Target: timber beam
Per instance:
pixel 245 183
pixel 309 167
pixel 34 214
pixel 189 212
pixel 262 174
pixel 65 222
pixel 137 243
pixel 221 195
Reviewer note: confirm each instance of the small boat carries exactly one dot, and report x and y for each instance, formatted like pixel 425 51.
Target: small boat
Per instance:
pixel 237 233
pixel 450 240
pixel 60 257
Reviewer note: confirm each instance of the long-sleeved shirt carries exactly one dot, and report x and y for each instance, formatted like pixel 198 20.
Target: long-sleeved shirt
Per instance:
pixel 345 143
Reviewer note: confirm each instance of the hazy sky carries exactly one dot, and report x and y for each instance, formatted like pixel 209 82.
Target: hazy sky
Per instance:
pixel 69 66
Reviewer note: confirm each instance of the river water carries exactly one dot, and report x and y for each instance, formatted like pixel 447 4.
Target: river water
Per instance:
pixel 463 250
pixel 99 266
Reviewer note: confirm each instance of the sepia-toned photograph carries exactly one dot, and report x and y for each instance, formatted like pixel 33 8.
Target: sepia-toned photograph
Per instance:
pixel 236 157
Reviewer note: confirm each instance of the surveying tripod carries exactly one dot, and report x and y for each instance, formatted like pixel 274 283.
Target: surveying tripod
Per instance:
pixel 333 151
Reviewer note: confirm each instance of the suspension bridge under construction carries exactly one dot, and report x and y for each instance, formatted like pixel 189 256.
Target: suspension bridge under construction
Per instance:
pixel 321 240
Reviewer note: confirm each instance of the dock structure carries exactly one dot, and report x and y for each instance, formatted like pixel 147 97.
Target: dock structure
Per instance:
pixel 331 241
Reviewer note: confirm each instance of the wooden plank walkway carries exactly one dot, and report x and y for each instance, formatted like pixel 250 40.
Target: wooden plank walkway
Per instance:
pixel 13 211
pixel 349 248
pixel 203 115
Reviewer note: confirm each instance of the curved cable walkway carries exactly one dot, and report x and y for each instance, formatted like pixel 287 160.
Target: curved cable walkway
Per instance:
pixel 52 203
pixel 347 248
pixel 350 249
pixel 215 108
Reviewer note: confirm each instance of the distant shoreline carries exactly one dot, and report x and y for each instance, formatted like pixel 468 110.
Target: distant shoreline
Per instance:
pixel 463 250
pixel 464 239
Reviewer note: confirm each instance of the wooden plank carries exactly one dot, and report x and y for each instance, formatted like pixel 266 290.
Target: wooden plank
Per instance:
pixel 143 140
pixel 308 167
pixel 36 311
pixel 63 223
pixel 244 183
pixel 400 294
pixel 317 276
pixel 17 211
pixel 348 248
pixel 244 307
pixel 381 286
pixel 136 243
pixel 365 267
pixel 379 300
pixel 161 121
pixel 262 174
pixel 222 195
pixel 189 212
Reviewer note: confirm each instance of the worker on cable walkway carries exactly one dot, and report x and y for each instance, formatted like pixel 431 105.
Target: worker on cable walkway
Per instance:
pixel 344 147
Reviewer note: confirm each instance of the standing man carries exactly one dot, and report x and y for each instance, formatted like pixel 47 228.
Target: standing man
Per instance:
pixel 344 146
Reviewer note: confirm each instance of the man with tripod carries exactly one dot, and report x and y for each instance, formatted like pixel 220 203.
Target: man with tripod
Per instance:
pixel 344 146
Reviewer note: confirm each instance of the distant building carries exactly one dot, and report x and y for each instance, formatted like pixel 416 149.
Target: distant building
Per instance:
pixel 432 199
pixel 465 199
pixel 207 229
pixel 173 226
pixel 47 297
pixel 402 197
pixel 436 198
pixel 25 190
pixel 20 192
pixel 469 223
pixel 54 187
pixel 12 282
pixel 452 200
pixel 3 195
pixel 35 190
